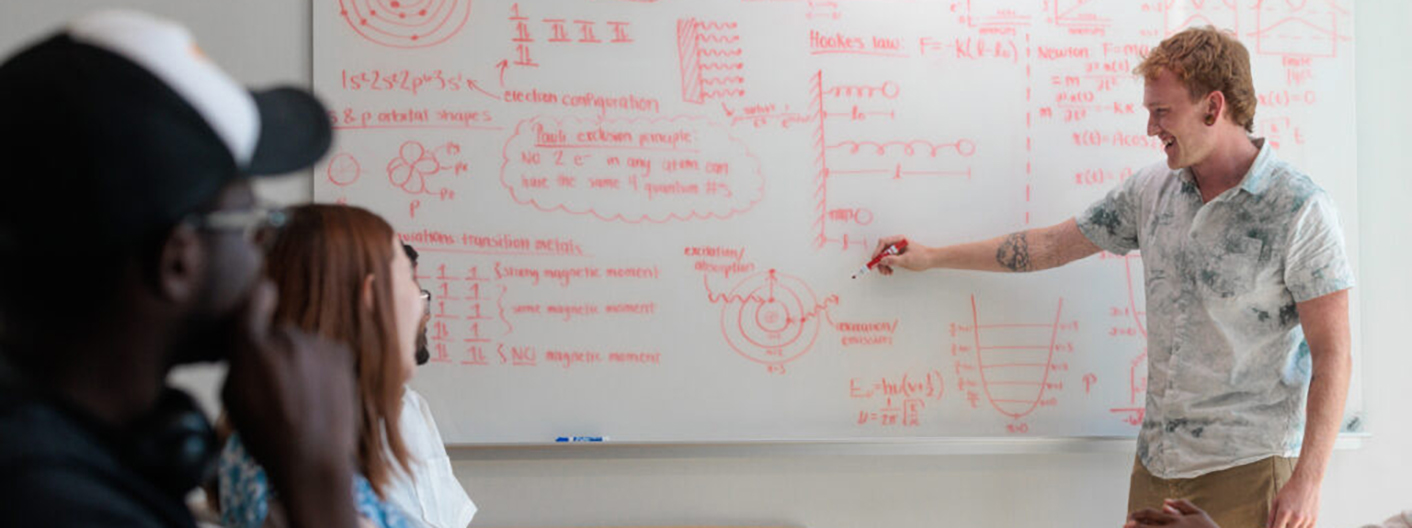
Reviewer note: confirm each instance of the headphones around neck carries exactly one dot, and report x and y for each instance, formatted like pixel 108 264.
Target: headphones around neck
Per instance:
pixel 174 445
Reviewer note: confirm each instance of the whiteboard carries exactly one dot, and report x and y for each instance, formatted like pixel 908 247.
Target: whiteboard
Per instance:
pixel 639 217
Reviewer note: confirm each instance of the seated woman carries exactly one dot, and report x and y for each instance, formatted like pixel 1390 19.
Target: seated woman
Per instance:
pixel 343 275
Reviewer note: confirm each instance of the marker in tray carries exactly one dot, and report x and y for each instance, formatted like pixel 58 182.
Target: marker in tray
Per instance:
pixel 576 439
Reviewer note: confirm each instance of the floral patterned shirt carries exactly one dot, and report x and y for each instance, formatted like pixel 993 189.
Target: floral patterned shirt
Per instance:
pixel 1228 366
pixel 245 493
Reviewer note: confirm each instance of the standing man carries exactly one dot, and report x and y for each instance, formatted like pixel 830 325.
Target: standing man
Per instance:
pixel 1247 295
pixel 129 244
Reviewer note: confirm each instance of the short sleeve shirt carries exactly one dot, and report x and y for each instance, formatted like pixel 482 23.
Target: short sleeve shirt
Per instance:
pixel 1228 366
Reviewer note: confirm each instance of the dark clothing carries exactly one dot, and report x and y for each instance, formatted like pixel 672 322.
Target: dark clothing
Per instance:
pixel 59 468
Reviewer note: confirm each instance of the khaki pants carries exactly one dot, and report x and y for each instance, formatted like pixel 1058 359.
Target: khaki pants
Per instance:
pixel 1239 497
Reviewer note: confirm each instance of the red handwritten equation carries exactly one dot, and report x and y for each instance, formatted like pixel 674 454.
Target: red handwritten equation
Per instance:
pixel 631 170
pixel 475 312
pixel 997 18
pixel 411 82
pixel 1080 17
pixel 903 397
pixel 468 292
pixel 560 31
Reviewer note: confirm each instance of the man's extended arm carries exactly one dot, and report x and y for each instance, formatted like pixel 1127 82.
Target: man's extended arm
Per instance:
pixel 1030 250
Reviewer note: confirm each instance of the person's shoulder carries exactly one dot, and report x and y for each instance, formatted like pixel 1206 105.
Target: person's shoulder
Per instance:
pixel 53 472
pixel 61 495
pixel 1289 194
pixel 1287 182
pixel 412 398
pixel 415 407
pixel 35 432
pixel 418 426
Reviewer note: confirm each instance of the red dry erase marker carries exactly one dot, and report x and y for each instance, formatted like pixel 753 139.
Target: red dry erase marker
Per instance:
pixel 889 250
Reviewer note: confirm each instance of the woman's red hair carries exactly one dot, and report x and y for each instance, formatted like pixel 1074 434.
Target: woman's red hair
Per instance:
pixel 320 261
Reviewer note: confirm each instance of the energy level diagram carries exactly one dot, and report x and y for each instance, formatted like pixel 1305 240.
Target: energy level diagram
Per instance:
pixel 771 318
pixel 1015 367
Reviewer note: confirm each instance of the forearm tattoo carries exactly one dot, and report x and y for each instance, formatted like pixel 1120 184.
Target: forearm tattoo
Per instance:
pixel 1014 253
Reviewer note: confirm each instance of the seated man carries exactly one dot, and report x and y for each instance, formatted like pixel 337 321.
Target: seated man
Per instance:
pixel 431 495
pixel 129 244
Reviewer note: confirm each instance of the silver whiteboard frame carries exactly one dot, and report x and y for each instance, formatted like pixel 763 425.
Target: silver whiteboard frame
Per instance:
pixel 814 448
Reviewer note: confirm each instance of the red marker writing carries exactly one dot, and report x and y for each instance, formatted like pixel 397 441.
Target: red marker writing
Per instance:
pixel 892 249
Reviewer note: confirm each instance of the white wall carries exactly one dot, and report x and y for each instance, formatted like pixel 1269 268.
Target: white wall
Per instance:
pixel 261 43
pixel 268 41
pixel 1374 481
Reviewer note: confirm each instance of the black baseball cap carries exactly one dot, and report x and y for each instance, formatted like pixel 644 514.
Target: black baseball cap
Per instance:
pixel 119 125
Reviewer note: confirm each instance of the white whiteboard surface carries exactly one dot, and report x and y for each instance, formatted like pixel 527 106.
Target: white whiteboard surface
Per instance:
pixel 639 217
